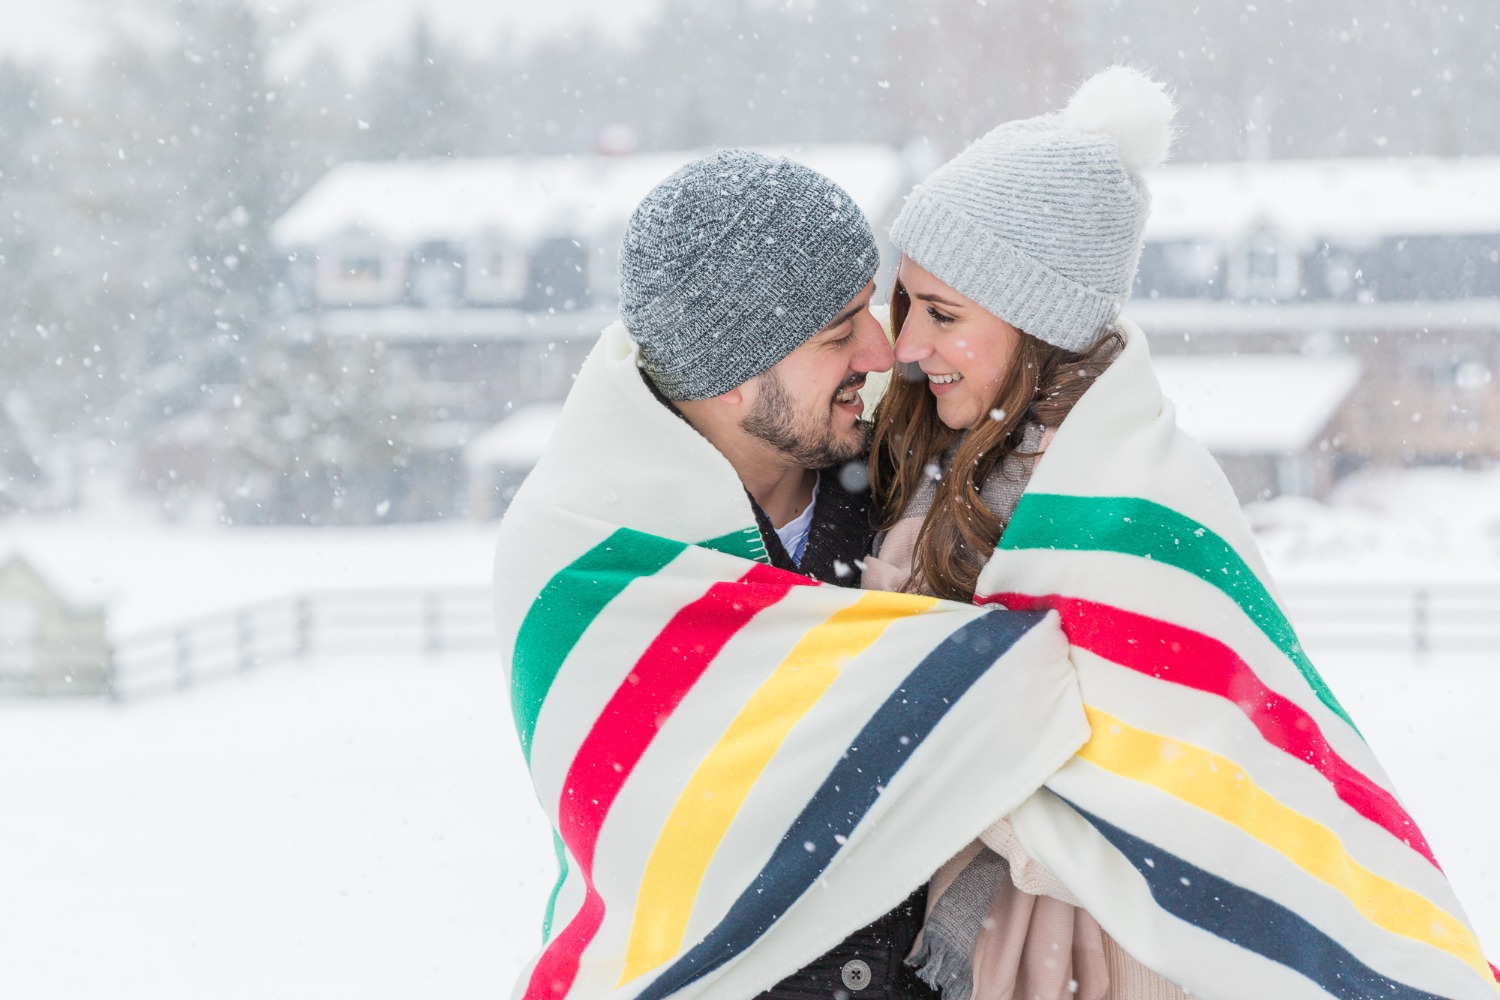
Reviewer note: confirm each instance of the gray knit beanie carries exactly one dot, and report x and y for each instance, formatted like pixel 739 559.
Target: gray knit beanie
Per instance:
pixel 732 263
pixel 1040 221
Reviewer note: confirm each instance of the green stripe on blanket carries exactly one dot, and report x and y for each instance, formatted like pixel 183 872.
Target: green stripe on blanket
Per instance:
pixel 567 606
pixel 745 543
pixel 1139 527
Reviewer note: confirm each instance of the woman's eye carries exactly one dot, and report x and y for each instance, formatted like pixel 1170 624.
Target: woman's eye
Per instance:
pixel 938 317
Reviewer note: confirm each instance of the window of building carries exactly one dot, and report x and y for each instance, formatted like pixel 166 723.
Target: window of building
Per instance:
pixel 359 271
pixel 1180 269
pixel 1445 365
pixel 1264 268
pixel 435 276
pixel 559 275
pixel 496 272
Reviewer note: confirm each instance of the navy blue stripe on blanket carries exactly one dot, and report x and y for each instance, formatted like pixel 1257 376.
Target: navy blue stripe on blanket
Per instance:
pixel 883 745
pixel 1251 921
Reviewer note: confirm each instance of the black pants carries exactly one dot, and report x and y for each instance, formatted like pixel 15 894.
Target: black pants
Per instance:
pixel 869 965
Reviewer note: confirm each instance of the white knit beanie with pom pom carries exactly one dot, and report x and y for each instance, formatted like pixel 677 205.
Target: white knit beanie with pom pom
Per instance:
pixel 1040 221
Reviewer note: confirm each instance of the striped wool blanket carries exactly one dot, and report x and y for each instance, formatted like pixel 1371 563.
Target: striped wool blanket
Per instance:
pixel 742 767
pixel 1225 822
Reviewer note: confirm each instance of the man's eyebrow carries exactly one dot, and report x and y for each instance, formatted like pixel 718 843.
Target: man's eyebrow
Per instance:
pixel 841 318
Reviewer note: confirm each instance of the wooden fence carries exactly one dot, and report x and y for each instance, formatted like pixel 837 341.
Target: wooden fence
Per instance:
pixel 1427 618
pixel 417 622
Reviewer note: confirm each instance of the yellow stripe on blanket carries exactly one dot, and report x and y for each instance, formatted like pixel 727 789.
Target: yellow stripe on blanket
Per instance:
pixel 1221 787
pixel 713 796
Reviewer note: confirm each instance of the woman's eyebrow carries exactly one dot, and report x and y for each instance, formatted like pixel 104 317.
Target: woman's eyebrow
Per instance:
pixel 930 297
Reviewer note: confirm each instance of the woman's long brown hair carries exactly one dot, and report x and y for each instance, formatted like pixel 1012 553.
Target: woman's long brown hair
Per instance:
pixel 959 532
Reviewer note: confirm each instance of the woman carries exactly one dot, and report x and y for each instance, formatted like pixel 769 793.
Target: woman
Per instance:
pixel 1225 831
pixel 976 402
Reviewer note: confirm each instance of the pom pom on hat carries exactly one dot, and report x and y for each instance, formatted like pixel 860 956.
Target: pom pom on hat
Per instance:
pixel 1129 107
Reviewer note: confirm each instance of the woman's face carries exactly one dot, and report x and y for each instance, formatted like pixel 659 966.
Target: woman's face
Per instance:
pixel 961 349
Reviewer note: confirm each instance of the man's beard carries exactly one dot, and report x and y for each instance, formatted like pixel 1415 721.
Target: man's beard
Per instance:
pixel 775 420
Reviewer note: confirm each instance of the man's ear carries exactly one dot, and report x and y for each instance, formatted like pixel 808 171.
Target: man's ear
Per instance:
pixel 724 407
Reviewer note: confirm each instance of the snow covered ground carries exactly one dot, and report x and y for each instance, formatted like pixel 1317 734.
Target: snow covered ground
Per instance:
pixel 1426 525
pixel 344 829
pixel 363 827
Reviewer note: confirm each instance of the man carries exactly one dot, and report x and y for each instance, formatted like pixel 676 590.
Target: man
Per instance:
pixel 746 282
pixel 739 763
pixel 792 432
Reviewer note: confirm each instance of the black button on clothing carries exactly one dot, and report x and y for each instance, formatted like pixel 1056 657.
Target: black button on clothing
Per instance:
pixel 869 965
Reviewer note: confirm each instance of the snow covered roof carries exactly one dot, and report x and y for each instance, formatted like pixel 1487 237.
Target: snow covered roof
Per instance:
pixel 517 441
pixel 1200 318
pixel 1351 198
pixel 78 586
pixel 524 198
pixel 1255 404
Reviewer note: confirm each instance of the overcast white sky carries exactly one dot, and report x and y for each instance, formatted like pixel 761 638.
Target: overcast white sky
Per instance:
pixel 65 33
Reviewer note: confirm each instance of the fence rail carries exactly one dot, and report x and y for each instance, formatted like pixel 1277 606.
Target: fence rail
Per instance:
pixel 1439 617
pixel 1445 617
pixel 414 621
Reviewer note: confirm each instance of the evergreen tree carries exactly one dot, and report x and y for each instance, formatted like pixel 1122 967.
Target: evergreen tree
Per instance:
pixel 420 104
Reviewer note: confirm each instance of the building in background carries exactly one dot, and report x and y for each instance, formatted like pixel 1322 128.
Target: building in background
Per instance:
pixel 1391 264
pixel 482 284
pixel 498 460
pixel 1269 419
pixel 1310 317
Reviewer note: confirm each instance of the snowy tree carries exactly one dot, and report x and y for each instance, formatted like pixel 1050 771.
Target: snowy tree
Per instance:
pixel 172 164
pixel 319 434
pixel 40 358
pixel 419 103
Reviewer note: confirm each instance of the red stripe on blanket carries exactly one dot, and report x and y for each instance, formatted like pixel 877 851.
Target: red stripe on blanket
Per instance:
pixel 668 669
pixel 1181 656
pixel 558 966
pixel 653 689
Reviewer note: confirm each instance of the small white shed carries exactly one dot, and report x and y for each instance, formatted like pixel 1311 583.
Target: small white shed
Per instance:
pixel 50 642
pixel 498 460
pixel 1262 416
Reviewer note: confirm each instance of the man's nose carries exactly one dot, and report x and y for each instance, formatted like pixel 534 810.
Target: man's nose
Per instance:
pixel 874 354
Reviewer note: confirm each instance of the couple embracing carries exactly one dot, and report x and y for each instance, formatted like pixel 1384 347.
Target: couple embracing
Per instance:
pixel 989 697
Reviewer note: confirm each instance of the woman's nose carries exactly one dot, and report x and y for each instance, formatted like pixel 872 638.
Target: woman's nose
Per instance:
pixel 910 344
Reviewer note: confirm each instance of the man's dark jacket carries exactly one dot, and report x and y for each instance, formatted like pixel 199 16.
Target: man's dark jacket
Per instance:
pixel 870 964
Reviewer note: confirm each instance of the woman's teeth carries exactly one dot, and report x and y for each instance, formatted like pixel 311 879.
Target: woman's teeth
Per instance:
pixel 944 379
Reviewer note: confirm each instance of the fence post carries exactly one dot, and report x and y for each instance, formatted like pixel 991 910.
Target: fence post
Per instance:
pixel 184 657
pixel 432 622
pixel 112 674
pixel 304 626
pixel 244 639
pixel 1419 619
